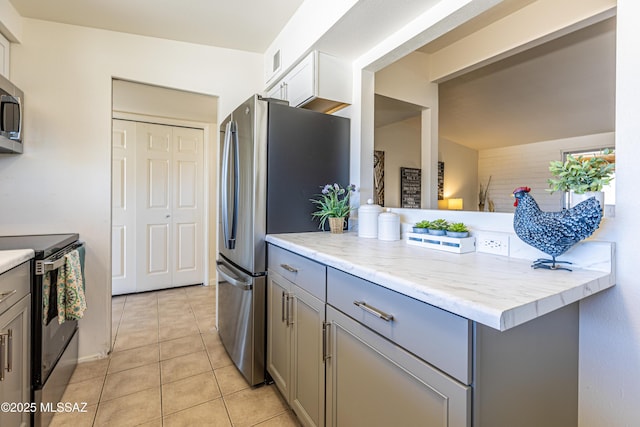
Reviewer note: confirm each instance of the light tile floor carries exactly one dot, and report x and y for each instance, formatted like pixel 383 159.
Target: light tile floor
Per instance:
pixel 169 368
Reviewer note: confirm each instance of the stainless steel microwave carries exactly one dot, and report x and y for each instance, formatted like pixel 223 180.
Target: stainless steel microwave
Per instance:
pixel 11 117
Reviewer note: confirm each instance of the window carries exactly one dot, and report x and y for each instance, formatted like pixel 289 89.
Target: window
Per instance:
pixel 608 190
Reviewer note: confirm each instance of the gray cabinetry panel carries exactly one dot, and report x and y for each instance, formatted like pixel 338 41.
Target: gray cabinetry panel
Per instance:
pixel 14 285
pixel 295 319
pixel 308 274
pixel 437 336
pixel 392 360
pixel 308 376
pixel 528 376
pixel 372 382
pixel 278 333
pixel 15 326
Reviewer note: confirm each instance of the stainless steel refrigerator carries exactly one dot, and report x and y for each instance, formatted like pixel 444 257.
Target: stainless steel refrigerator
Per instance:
pixel 274 158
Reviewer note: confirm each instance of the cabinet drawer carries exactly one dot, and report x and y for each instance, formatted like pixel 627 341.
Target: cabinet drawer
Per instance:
pixel 307 274
pixel 441 338
pixel 14 284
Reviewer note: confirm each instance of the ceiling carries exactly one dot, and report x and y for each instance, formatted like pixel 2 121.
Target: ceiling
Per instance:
pixel 563 88
pixel 249 25
pixel 390 110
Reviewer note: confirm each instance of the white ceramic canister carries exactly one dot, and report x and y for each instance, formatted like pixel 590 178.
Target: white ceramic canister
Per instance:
pixel 388 226
pixel 368 219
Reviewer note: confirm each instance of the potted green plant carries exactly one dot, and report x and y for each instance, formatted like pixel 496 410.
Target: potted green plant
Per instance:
pixel 457 229
pixel 333 206
pixel 582 176
pixel 421 227
pixel 438 227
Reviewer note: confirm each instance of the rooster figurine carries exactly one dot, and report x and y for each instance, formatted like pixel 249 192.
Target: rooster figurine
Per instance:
pixel 553 233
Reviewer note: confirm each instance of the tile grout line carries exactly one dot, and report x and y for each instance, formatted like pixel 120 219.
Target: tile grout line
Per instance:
pixel 190 299
pixel 212 369
pixel 159 358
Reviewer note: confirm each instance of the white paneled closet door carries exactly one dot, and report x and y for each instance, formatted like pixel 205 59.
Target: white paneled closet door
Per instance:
pixel 154 205
pixel 169 208
pixel 188 206
pixel 123 218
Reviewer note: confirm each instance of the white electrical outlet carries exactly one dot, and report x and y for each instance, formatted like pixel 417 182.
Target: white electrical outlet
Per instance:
pixel 492 243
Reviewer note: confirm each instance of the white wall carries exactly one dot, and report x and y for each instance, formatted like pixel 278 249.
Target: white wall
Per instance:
pixel 460 173
pixel 528 165
pixel 406 80
pixel 400 142
pixel 610 323
pixel 62 181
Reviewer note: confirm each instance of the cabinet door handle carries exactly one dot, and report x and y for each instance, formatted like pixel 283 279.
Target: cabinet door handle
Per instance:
pixel 290 298
pixel 2 357
pixel 289 268
pixel 286 307
pixel 5 295
pixel 372 310
pixel 10 350
pixel 283 308
pixel 325 336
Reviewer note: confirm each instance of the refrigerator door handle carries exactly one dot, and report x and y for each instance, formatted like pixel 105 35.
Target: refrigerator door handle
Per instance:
pixel 223 187
pixel 236 183
pixel 233 279
pixel 230 143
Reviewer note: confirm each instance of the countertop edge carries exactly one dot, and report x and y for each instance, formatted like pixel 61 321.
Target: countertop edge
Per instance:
pixel 13 258
pixel 490 316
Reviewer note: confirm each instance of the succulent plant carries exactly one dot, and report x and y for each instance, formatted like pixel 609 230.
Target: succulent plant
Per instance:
pixel 422 224
pixel 458 227
pixel 438 224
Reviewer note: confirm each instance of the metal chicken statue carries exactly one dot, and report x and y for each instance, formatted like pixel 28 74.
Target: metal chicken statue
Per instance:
pixel 553 233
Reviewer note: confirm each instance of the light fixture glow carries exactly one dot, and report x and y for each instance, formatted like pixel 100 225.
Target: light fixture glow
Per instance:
pixel 455 204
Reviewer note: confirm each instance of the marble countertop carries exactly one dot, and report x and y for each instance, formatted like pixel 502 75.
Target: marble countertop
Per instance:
pixel 497 291
pixel 10 259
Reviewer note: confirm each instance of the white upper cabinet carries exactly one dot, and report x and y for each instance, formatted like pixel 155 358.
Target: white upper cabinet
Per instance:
pixel 319 82
pixel 5 49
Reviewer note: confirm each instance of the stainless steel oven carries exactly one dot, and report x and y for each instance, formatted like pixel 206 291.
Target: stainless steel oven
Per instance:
pixel 54 345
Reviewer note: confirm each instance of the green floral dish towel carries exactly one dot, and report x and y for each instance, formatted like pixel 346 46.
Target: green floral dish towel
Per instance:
pixel 69 289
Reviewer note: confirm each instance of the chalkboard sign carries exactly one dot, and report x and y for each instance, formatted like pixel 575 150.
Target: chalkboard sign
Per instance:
pixel 410 187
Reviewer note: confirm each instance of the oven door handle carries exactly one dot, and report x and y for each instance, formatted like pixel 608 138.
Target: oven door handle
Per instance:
pixel 46 265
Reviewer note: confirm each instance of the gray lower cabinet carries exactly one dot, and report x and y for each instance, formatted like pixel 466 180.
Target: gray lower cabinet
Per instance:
pixel 398 361
pixel 373 382
pixel 15 337
pixel 278 333
pixel 348 352
pixel 295 338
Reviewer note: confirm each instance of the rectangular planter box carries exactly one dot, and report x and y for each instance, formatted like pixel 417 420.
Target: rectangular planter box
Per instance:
pixel 442 243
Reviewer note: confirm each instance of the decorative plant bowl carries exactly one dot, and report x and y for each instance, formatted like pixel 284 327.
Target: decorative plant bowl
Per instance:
pixel 420 230
pixel 437 232
pixel 458 234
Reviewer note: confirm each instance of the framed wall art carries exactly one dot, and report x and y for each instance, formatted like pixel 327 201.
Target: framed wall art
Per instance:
pixel 410 187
